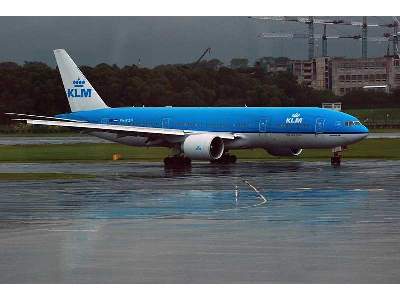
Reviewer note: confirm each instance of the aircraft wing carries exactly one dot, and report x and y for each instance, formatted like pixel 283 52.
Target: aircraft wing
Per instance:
pixel 129 130
pixel 36 117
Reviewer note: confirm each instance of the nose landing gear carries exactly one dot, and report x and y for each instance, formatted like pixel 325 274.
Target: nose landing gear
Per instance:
pixel 336 157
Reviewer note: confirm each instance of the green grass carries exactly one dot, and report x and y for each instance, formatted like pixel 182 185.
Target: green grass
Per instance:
pixel 366 149
pixel 78 152
pixel 42 176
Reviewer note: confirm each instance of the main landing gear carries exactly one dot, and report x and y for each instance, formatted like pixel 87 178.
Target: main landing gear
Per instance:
pixel 336 158
pixel 177 161
pixel 225 159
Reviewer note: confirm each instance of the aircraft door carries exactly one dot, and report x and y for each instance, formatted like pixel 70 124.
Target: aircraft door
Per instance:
pixel 166 123
pixel 319 125
pixel 263 125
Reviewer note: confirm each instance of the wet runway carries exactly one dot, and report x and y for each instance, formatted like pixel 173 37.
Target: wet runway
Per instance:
pixel 50 140
pixel 78 139
pixel 267 222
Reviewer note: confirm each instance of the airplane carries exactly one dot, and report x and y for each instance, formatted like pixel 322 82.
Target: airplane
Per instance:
pixel 200 133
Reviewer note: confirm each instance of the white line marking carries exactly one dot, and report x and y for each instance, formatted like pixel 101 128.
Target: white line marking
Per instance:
pixel 263 198
pixel 236 195
pixel 258 192
pixel 69 230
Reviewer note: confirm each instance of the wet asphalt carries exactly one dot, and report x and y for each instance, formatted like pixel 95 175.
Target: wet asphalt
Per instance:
pixel 258 222
pixel 79 139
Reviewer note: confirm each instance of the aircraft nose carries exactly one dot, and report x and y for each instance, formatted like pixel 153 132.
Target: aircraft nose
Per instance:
pixel 364 129
pixel 362 132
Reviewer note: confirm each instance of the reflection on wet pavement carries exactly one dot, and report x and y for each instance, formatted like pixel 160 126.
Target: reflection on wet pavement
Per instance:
pixel 318 223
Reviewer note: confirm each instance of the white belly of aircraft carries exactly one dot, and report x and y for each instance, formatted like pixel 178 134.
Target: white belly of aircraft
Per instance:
pixel 254 140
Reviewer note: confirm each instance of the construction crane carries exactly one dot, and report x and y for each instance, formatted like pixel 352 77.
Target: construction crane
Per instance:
pixel 310 21
pixel 324 37
pixel 396 24
pixel 304 20
pixel 317 36
pixel 208 50
pixel 364 31
pixel 394 37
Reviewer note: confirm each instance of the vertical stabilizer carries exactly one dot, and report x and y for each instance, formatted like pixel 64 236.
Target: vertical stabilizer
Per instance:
pixel 80 93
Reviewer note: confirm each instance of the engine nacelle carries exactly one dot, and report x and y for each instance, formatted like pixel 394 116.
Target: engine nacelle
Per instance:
pixel 203 147
pixel 284 151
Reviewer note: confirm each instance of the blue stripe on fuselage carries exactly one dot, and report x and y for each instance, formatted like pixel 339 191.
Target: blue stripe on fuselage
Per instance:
pixel 226 119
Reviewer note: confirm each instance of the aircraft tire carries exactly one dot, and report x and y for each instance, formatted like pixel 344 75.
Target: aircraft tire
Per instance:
pixel 177 161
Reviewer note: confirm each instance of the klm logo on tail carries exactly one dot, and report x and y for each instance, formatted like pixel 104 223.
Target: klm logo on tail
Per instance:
pixel 79 91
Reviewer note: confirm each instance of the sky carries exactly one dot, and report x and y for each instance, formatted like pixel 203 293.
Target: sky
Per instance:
pixel 165 40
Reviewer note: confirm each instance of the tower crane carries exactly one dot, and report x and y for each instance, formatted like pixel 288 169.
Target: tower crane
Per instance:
pixel 317 36
pixel 324 37
pixel 364 31
pixel 310 21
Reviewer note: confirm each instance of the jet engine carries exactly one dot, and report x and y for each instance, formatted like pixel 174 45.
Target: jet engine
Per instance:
pixel 203 147
pixel 284 151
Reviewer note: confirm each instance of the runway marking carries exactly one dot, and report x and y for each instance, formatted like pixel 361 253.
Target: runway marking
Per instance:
pixel 68 230
pixel 236 194
pixel 258 193
pixel 368 190
pixel 263 198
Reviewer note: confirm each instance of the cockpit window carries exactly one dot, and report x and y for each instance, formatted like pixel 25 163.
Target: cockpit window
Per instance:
pixel 352 123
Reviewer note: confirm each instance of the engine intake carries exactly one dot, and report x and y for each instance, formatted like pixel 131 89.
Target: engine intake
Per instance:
pixel 284 151
pixel 203 147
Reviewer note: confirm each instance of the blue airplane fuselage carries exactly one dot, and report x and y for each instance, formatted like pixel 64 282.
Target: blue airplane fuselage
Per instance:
pixel 293 126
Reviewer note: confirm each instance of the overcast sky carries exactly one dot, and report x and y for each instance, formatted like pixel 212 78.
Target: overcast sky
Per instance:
pixel 164 40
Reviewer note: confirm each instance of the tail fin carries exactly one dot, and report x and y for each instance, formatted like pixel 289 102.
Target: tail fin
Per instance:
pixel 80 93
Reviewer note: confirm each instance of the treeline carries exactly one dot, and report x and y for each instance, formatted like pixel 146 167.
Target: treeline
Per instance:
pixel 36 88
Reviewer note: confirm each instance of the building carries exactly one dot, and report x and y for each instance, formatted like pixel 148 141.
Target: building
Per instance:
pixel 340 75
pixel 353 74
pixel 315 73
pixel 322 77
pixel 343 75
pixel 304 71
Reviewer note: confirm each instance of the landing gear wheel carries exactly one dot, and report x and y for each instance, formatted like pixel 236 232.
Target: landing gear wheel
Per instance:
pixel 336 159
pixel 177 161
pixel 225 159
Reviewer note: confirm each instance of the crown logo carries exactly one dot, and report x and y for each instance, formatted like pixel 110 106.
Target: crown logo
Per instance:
pixel 78 82
pixel 296 115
